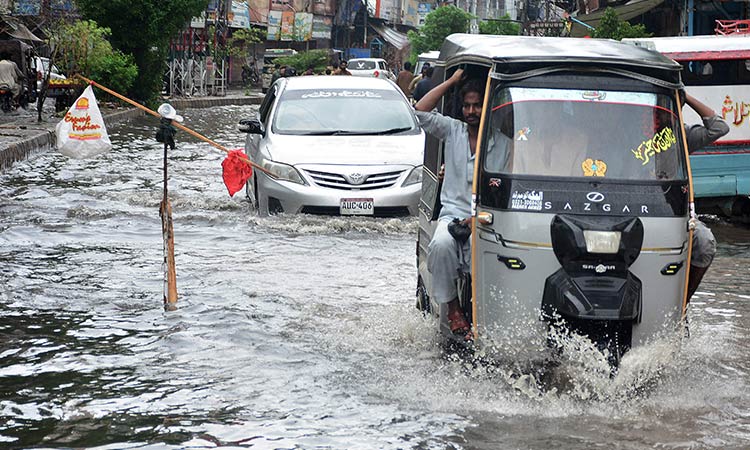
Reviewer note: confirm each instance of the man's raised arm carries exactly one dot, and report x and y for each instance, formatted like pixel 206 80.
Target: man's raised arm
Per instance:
pixel 431 98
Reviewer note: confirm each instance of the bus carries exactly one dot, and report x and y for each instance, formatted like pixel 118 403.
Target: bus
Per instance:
pixel 716 71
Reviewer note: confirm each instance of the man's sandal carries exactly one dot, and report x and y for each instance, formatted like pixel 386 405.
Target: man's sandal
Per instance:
pixel 458 323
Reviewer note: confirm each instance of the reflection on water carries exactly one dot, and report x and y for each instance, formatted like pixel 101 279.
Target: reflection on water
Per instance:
pixel 299 331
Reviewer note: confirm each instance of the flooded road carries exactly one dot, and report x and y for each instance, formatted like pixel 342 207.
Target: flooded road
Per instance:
pixel 297 332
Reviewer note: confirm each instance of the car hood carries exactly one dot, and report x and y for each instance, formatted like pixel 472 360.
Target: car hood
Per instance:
pixel 396 149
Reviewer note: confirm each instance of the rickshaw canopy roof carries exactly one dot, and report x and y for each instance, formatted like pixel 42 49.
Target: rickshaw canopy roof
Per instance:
pixel 475 48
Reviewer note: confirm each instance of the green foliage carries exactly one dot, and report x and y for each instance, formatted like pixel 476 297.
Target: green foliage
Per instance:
pixel 611 27
pixel 240 41
pixel 301 61
pixel 78 44
pixel 143 29
pixel 501 26
pixel 438 24
pixel 82 48
pixel 116 70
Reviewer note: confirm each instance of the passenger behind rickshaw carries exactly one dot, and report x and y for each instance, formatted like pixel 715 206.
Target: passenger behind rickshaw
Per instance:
pixel 460 137
pixel 699 136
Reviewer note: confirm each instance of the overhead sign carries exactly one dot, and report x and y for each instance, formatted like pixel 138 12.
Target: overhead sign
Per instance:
pixel 274 26
pixel 321 27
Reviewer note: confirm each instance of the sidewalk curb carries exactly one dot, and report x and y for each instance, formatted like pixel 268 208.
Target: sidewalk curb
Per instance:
pixel 40 141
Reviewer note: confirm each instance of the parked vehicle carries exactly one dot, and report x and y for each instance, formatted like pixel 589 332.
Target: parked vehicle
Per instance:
pixel 335 145
pixel 41 66
pixel 716 71
pixel 370 67
pixel 6 98
pixel 581 195
pixel 426 57
pixel 22 54
pixel 269 57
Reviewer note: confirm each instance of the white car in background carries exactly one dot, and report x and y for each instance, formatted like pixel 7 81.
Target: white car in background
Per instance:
pixel 370 67
pixel 41 64
pixel 335 146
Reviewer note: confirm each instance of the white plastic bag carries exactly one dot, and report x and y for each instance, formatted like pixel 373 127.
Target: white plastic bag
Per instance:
pixel 81 133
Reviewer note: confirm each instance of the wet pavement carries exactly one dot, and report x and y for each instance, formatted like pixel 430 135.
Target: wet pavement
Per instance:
pixel 299 331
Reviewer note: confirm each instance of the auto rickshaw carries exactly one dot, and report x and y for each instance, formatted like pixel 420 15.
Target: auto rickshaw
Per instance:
pixel 22 54
pixel 582 196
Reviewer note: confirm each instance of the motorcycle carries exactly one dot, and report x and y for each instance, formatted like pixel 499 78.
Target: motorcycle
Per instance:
pixel 6 98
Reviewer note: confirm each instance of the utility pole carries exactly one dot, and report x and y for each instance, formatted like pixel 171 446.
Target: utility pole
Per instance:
pixel 474 26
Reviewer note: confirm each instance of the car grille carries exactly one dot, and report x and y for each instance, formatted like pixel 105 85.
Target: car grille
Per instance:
pixel 338 181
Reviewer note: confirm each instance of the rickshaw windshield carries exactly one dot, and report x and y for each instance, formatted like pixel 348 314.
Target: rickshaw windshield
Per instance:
pixel 584 133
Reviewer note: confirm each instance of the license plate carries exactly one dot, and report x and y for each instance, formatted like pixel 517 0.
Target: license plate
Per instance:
pixel 356 207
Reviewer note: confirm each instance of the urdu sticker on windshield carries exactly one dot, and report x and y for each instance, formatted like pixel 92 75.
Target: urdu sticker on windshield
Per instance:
pixel 662 141
pixel 337 93
pixel 529 200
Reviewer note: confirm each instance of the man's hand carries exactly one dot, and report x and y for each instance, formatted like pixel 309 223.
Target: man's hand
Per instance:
pixel 457 76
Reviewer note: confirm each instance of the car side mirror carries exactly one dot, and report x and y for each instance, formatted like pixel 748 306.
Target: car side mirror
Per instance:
pixel 252 126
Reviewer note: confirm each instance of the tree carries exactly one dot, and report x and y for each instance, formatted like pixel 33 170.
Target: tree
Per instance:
pixel 611 27
pixel 501 26
pixel 143 28
pixel 438 24
pixel 82 47
pixel 318 59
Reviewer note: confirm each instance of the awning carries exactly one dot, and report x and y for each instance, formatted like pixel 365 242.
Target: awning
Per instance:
pixel 391 36
pixel 16 29
pixel 627 11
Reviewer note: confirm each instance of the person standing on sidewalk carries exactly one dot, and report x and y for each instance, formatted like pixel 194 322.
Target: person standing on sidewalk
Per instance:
pixel 404 79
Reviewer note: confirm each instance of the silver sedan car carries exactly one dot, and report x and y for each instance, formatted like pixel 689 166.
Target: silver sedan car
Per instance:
pixel 335 145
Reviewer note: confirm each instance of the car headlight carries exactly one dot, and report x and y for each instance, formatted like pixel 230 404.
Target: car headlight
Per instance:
pixel 602 241
pixel 415 176
pixel 282 171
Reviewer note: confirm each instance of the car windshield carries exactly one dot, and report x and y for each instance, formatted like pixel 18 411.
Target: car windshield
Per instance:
pixel 362 65
pixel 343 111
pixel 579 133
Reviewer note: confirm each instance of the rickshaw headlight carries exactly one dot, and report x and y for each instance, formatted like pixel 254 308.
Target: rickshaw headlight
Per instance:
pixel 602 241
pixel 415 176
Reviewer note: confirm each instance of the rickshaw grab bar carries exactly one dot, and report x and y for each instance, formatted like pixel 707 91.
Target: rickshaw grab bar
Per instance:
pixel 490 236
pixel 620 72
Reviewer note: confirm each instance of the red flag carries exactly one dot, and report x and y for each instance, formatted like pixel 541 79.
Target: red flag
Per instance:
pixel 235 171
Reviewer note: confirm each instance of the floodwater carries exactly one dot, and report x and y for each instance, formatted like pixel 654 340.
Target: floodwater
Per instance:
pixel 298 332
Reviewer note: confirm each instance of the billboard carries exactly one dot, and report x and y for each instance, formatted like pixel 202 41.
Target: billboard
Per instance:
pixel 411 13
pixel 274 26
pixel 321 28
pixel 239 17
pixel 287 25
pixel 303 23
pixel 27 7
pixel 422 10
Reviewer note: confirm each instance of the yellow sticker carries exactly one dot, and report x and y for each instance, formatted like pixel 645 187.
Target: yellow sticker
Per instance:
pixel 662 141
pixel 594 168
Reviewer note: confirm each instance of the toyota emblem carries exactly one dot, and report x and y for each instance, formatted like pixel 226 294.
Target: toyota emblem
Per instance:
pixel 595 197
pixel 356 178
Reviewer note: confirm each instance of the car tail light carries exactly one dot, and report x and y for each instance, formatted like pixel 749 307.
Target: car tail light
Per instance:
pixel 376 74
pixel 38 75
